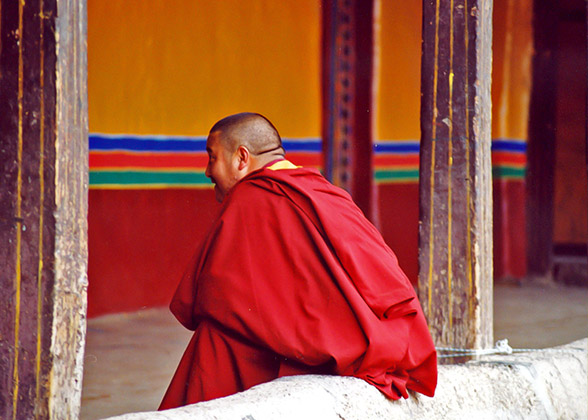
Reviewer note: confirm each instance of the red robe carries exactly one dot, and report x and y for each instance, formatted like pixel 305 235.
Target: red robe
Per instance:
pixel 293 279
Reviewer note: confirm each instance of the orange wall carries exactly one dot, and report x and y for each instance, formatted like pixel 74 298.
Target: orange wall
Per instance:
pixel 511 92
pixel 398 97
pixel 511 68
pixel 176 67
pixel 398 87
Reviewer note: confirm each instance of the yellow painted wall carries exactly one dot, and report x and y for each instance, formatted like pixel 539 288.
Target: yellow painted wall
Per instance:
pixel 399 69
pixel 398 61
pixel 174 67
pixel 511 68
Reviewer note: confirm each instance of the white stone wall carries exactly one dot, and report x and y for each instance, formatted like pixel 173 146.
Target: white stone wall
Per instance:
pixel 547 384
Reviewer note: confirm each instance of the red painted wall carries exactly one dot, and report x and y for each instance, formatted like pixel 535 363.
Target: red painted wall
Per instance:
pixel 509 230
pixel 140 244
pixel 399 223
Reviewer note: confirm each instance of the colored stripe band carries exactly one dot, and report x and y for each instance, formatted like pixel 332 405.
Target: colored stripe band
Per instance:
pixel 147 177
pixel 509 145
pixel 508 172
pixel 127 161
pixel 130 143
pixel 411 174
pixel 396 147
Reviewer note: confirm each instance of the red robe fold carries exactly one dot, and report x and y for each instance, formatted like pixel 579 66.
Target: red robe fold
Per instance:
pixel 293 279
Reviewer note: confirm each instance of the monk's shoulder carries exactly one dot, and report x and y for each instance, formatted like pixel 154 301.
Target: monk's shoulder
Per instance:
pixel 253 194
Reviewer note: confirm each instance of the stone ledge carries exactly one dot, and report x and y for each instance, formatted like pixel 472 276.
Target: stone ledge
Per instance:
pixel 546 384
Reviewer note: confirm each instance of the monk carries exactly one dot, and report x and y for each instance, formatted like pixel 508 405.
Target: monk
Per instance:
pixel 291 279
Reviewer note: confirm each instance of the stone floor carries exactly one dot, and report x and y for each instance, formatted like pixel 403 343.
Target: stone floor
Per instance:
pixel 130 357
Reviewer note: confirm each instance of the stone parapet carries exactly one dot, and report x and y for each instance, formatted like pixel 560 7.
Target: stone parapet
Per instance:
pixel 545 384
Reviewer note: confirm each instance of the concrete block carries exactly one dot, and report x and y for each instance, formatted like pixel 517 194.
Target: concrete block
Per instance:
pixel 545 384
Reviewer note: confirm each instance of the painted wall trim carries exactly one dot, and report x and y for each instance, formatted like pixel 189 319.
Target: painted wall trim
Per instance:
pixel 397 161
pixel 129 161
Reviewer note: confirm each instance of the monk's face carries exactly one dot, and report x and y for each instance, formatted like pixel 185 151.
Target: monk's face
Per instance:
pixel 222 168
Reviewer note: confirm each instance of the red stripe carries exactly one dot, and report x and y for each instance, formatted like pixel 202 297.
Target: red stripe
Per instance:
pixel 102 160
pixel 147 160
pixel 305 159
pixel 396 160
pixel 501 158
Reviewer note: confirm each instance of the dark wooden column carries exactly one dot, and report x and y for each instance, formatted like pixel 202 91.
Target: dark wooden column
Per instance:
pixel 455 237
pixel 43 196
pixel 541 144
pixel 348 97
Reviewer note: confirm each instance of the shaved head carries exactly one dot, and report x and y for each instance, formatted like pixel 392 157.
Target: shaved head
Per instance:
pixel 251 130
pixel 238 145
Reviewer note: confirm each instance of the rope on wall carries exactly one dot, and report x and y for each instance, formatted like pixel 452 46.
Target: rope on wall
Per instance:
pixel 501 347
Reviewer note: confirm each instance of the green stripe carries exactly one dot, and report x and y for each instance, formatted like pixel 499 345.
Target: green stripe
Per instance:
pixel 145 177
pixel 507 172
pixel 198 178
pixel 406 174
pixel 413 174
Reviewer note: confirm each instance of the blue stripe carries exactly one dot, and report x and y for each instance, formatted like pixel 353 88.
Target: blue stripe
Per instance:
pixel 500 145
pixel 313 145
pixel 198 144
pixel 396 147
pixel 179 144
pixel 509 146
pixel 138 144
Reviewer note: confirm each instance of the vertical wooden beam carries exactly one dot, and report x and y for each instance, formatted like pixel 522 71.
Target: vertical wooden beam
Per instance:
pixel 455 237
pixel 541 144
pixel 348 97
pixel 43 196
pixel 71 197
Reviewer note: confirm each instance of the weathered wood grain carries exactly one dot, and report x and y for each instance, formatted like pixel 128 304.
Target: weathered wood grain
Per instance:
pixel 43 195
pixel 455 233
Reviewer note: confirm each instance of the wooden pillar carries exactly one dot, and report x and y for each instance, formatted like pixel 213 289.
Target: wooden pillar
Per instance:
pixel 348 97
pixel 455 236
pixel 43 203
pixel 541 144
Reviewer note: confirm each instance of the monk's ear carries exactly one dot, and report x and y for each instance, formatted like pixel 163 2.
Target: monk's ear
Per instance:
pixel 244 157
